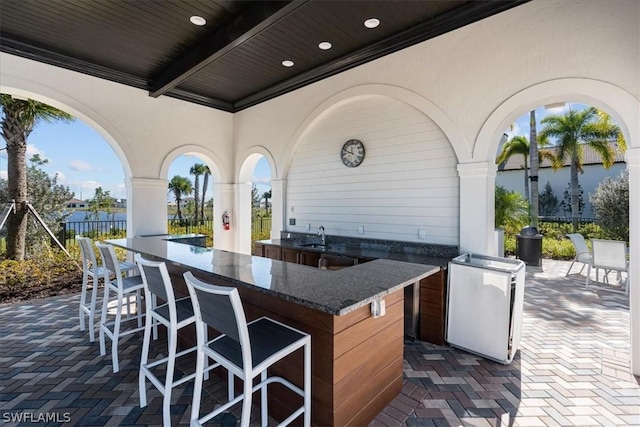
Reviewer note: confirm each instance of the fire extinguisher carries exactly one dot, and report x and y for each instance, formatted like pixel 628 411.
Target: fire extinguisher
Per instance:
pixel 225 220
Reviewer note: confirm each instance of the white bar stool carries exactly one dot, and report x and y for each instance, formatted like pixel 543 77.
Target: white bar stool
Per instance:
pixel 123 287
pixel 174 315
pixel 245 349
pixel 91 271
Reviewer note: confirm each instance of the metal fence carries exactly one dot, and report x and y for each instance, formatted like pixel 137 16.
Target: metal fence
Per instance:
pixel 566 220
pixel 98 230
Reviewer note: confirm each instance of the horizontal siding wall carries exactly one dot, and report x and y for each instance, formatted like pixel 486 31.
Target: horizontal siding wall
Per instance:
pixel 407 182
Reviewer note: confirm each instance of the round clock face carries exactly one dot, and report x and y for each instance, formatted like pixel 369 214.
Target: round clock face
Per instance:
pixel 352 153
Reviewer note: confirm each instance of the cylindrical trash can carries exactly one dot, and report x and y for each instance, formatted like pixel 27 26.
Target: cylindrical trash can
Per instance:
pixel 529 246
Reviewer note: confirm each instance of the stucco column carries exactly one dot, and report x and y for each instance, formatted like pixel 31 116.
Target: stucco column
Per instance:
pixel 278 214
pixel 633 164
pixel 146 206
pixel 477 196
pixel 225 201
pixel 244 204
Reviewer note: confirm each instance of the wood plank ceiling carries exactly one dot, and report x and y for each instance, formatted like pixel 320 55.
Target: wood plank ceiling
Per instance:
pixel 235 60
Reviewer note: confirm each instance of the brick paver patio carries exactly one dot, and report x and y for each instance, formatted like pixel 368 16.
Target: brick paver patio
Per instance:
pixel 572 369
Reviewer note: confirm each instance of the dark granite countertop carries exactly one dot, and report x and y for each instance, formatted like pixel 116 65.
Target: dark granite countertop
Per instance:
pixel 358 252
pixel 334 292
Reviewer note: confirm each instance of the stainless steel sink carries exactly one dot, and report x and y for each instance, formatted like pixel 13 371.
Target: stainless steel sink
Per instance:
pixel 314 246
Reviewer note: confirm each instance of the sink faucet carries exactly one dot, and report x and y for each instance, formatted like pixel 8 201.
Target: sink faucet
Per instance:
pixel 321 234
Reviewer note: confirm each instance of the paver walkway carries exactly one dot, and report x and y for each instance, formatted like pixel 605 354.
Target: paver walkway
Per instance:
pixel 572 369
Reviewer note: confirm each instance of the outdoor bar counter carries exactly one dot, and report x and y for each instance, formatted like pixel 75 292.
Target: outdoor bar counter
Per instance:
pixel 356 358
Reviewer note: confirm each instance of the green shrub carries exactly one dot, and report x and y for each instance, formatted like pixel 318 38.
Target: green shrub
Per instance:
pixel 511 210
pixel 611 206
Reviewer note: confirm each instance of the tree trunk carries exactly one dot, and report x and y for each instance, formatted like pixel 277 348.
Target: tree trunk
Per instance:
pixel 526 181
pixel 534 161
pixel 196 193
pixel 575 214
pixel 205 183
pixel 178 211
pixel 17 223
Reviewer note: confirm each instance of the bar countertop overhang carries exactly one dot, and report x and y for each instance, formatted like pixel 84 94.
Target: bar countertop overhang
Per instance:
pixel 334 292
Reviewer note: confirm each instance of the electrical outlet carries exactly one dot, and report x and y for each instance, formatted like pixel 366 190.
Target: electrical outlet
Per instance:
pixel 308 227
pixel 292 221
pixel 361 229
pixel 422 234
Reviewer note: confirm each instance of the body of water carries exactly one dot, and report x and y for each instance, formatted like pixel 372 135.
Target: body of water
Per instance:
pixel 78 216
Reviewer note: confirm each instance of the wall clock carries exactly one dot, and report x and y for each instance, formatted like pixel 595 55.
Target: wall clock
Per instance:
pixel 352 153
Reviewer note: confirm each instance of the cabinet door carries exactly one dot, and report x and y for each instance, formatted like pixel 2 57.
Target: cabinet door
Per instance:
pixel 257 249
pixel 290 255
pixel 309 258
pixel 433 291
pixel 273 252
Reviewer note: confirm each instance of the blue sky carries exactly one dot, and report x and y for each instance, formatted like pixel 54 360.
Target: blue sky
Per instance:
pixel 84 161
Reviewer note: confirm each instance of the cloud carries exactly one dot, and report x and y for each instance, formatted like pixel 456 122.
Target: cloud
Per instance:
pixel 61 177
pixel 32 149
pixel 80 166
pixel 3 174
pixel 262 180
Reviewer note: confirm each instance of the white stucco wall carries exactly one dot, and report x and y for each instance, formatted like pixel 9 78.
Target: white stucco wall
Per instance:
pixel 406 183
pixel 145 133
pixel 465 75
pixel 513 180
pixel 471 83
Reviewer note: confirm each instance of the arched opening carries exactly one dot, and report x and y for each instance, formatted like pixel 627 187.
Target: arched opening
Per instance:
pixel 623 108
pixel 75 179
pixel 255 200
pixel 190 198
pixel 564 136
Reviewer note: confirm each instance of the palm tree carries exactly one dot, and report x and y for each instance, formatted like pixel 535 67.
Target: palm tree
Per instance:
pixel 517 146
pixel 574 129
pixel 19 119
pixel 197 170
pixel 180 186
pixel 266 196
pixel 534 199
pixel 205 184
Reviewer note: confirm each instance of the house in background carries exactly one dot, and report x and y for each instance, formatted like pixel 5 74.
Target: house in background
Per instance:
pixel 76 203
pixel 510 176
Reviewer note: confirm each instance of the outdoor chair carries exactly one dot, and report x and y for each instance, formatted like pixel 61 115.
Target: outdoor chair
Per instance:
pixel 91 271
pixel 245 349
pixel 610 255
pixel 174 315
pixel 583 253
pixel 123 288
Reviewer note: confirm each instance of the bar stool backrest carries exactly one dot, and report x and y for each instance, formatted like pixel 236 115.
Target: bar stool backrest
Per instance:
pixel 156 277
pixel 88 255
pixel 223 310
pixel 109 259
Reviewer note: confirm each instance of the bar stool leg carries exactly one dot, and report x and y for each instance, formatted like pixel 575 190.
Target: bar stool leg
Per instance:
pixel 246 403
pixel 197 386
pixel 116 334
pixel 103 318
pixel 168 382
pixel 92 310
pixel 144 358
pixel 307 383
pixel 83 299
pixel 264 415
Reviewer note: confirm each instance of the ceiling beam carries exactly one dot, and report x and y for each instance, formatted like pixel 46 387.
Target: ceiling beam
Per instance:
pixel 441 24
pixel 247 25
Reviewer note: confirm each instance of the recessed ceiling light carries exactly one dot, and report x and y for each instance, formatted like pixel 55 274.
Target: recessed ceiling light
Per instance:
pixel 324 45
pixel 371 23
pixel 198 20
pixel 287 63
